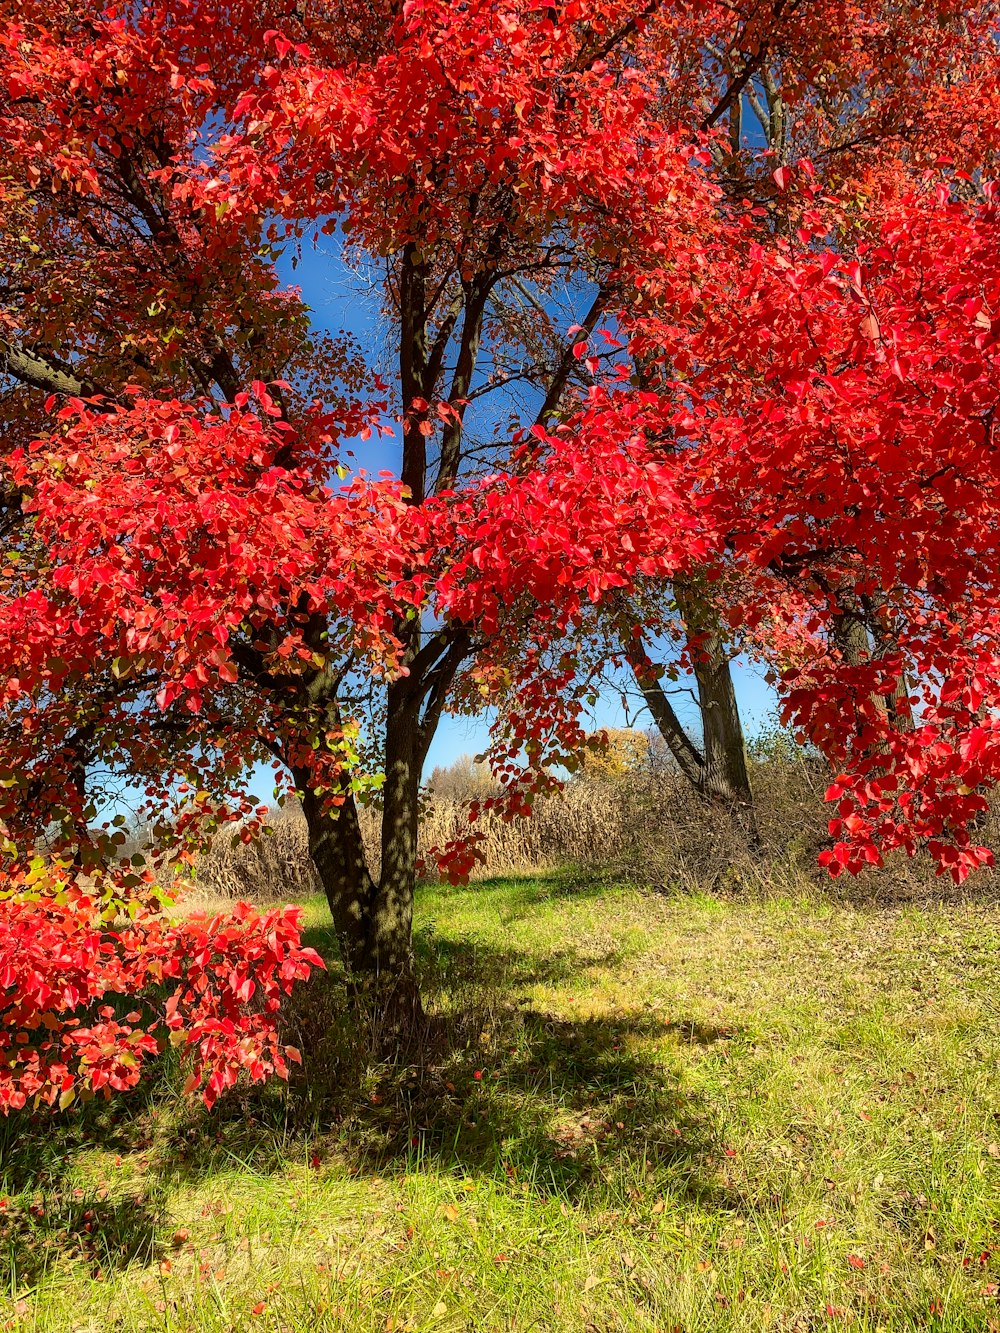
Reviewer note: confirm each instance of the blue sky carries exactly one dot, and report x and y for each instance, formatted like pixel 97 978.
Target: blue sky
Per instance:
pixel 339 301
pixel 758 705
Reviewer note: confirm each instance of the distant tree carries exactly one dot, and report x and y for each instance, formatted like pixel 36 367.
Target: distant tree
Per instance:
pixel 464 779
pixel 613 753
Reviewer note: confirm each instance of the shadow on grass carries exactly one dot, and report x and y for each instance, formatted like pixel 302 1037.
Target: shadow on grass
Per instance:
pixel 691 1033
pixel 586 1109
pixel 480 970
pixel 52 1212
pixel 103 1235
pixel 577 1110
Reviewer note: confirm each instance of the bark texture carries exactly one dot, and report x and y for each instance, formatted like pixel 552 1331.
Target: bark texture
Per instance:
pixel 373 917
pixel 718 769
pixel 860 635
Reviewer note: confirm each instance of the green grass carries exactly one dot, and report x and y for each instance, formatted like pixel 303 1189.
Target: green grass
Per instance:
pixel 636 1113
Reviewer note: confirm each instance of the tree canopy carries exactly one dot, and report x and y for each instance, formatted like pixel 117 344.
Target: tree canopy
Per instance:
pixel 773 376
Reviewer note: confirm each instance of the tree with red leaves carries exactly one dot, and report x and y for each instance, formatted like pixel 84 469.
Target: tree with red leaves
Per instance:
pixel 857 441
pixel 200 577
pixel 888 106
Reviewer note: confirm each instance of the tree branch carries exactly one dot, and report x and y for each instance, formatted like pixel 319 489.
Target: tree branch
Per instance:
pixel 589 58
pixel 689 758
pixel 461 381
pixel 753 64
pixel 562 373
pixel 35 371
pixel 412 370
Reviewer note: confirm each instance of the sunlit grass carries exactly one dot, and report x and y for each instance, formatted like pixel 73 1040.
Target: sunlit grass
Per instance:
pixel 636 1113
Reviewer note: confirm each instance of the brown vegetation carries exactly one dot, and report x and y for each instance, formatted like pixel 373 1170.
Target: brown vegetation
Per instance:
pixel 641 821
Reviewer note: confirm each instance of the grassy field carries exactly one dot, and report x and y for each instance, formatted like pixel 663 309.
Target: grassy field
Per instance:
pixel 638 1113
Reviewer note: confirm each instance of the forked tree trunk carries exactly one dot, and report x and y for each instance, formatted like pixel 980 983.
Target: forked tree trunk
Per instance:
pixel 373 919
pixel 718 770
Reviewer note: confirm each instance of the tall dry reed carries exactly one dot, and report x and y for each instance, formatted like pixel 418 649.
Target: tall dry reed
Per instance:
pixel 647 827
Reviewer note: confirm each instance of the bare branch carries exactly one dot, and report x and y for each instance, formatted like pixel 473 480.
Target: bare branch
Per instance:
pixel 562 373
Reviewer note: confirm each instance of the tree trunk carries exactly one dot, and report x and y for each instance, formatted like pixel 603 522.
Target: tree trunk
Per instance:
pixel 373 919
pixel 851 637
pixel 858 638
pixel 724 779
pixel 718 771
pixel 899 705
pixel 338 853
pixel 390 961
